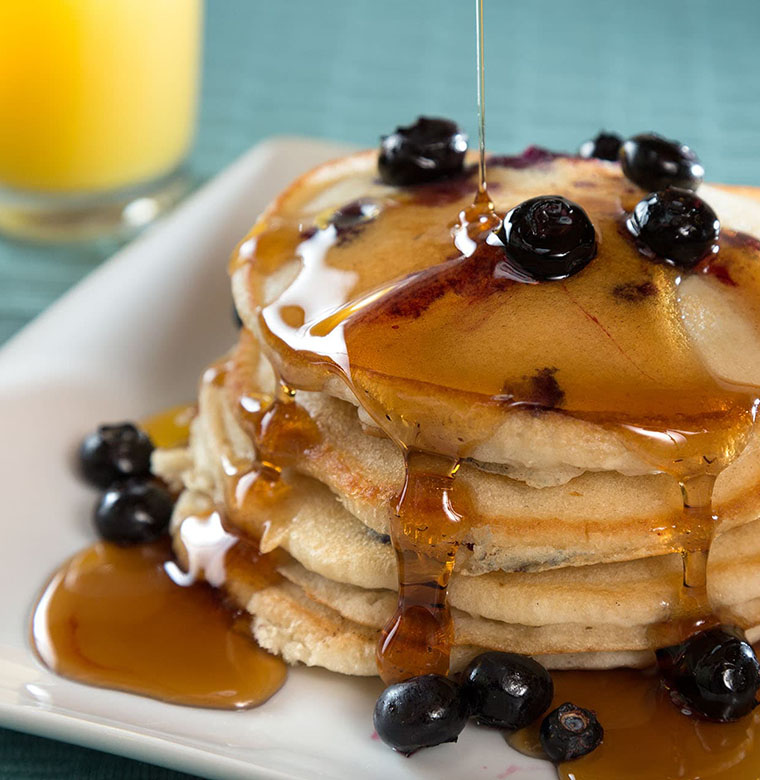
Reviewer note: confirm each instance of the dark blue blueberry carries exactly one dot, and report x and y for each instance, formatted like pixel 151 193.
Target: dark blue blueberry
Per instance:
pixel 506 690
pixel 420 712
pixel 653 163
pixel 429 150
pixel 114 453
pixel 548 237
pixel 134 512
pixel 713 674
pixel 675 225
pixel 570 732
pixel 606 146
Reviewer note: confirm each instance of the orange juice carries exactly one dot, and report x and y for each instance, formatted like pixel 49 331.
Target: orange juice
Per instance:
pixel 95 95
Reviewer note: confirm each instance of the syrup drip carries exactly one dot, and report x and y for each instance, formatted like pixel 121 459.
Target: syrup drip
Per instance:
pixel 645 736
pixel 132 619
pixel 479 219
pixel 263 494
pixel 424 533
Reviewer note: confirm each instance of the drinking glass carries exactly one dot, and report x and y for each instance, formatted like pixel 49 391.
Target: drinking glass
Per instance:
pixel 97 112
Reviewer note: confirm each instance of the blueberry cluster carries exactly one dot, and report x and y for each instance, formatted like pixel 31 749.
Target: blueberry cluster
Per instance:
pixel 671 224
pixel 500 690
pixel 133 508
pixel 713 675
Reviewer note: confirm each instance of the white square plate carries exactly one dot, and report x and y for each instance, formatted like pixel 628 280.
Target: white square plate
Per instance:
pixel 130 340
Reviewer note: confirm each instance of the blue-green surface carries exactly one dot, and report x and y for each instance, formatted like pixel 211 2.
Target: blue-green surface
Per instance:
pixel 557 71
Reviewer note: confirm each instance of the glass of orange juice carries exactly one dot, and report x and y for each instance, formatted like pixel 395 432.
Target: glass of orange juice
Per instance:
pixel 97 112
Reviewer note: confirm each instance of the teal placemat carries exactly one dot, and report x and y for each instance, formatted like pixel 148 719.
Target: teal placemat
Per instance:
pixel 557 71
pixel 24 757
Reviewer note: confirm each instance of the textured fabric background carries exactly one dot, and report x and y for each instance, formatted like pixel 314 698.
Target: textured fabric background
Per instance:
pixel 557 71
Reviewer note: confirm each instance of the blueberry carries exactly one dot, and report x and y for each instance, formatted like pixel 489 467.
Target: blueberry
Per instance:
pixel 713 674
pixel 429 150
pixel 114 453
pixel 420 712
pixel 606 146
pixel 133 512
pixel 351 219
pixel 653 163
pixel 507 690
pixel 357 212
pixel 570 732
pixel 548 237
pixel 676 225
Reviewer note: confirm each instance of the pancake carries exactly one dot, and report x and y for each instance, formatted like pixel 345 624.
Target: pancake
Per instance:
pixel 422 356
pixel 595 517
pixel 334 546
pixel 355 615
pixel 302 631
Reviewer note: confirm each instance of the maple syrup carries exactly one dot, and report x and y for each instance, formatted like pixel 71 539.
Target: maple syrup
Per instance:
pixel 646 737
pixel 114 617
pixel 424 533
pixel 132 619
pixel 170 428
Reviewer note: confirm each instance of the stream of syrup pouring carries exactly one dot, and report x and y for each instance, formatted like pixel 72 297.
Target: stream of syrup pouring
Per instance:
pixel 130 618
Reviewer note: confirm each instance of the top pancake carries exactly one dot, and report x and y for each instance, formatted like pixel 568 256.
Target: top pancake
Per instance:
pixel 447 354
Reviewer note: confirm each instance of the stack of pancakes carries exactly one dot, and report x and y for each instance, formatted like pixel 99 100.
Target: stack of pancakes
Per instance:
pixel 571 547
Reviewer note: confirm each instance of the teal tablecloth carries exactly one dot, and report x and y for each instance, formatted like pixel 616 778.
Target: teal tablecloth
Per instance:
pixel 558 70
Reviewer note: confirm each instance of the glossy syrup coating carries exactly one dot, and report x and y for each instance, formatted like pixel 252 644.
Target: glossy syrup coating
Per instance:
pixel 411 322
